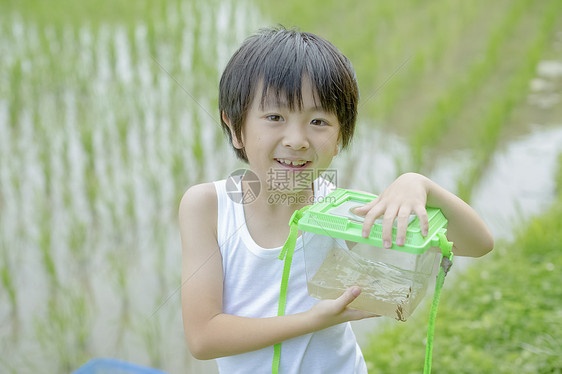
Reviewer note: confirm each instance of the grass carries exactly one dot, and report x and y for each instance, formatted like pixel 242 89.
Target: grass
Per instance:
pixel 502 316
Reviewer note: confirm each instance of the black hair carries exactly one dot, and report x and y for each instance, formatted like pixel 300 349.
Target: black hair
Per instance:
pixel 278 59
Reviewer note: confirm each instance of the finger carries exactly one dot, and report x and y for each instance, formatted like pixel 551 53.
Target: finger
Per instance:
pixel 402 225
pixel 362 210
pixel 370 218
pixel 421 212
pixel 387 225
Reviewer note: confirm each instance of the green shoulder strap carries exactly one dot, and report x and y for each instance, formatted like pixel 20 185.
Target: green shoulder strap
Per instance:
pixel 287 255
pixel 444 266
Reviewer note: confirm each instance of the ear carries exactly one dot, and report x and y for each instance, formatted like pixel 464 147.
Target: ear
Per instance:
pixel 237 143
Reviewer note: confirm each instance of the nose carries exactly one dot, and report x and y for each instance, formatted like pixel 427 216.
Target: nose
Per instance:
pixel 296 137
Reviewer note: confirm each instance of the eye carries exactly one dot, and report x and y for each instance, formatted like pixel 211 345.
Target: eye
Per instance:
pixel 274 117
pixel 319 122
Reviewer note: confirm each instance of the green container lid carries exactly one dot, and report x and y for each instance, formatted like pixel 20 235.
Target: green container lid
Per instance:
pixel 333 217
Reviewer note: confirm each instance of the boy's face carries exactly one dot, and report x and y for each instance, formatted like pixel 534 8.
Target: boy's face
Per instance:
pixel 287 148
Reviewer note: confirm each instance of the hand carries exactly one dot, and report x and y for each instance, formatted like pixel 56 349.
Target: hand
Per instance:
pixel 406 195
pixel 333 312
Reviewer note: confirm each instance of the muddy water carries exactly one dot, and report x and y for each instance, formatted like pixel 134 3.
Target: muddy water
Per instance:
pixel 386 289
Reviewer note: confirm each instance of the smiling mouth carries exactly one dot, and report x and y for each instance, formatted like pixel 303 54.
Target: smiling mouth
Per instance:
pixel 294 165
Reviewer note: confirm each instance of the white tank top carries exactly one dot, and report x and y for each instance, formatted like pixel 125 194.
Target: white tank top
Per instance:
pixel 252 279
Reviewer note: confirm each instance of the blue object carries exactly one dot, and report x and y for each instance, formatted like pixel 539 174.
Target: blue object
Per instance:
pixel 112 366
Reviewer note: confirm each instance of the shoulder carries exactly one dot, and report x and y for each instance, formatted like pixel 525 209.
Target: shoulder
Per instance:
pixel 199 193
pixel 199 205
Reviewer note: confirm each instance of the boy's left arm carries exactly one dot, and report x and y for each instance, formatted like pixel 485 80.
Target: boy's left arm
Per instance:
pixel 411 193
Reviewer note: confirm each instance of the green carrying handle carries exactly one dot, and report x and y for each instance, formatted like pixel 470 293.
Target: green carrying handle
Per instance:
pixel 287 255
pixel 444 266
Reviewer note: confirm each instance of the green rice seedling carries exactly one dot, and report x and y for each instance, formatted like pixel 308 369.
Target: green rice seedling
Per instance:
pixel 439 119
pixel 197 146
pixel 16 78
pixel 77 242
pixel 151 334
pixel 45 247
pixel 8 284
pixel 463 46
pixel 118 267
pixel 65 329
pixel 389 34
pixel 488 131
pixel 428 48
pixel 91 183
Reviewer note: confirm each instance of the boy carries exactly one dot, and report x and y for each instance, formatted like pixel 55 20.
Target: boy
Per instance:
pixel 288 101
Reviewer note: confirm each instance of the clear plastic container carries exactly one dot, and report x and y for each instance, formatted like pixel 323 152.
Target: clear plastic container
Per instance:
pixel 393 281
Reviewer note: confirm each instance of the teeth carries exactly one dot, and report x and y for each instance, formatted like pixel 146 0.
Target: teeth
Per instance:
pixel 293 163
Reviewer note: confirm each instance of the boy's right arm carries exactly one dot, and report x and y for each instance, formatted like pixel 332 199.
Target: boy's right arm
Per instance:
pixel 209 332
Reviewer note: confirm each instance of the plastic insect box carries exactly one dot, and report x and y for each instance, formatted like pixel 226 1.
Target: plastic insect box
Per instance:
pixel 337 256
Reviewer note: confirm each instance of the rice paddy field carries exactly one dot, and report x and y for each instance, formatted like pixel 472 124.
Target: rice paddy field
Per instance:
pixel 108 113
